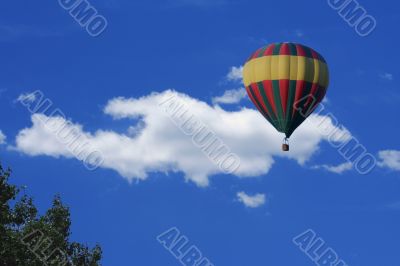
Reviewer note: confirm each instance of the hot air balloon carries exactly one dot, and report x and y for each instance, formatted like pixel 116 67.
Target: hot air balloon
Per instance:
pixel 286 82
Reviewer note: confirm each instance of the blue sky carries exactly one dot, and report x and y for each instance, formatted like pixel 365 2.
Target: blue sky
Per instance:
pixel 154 178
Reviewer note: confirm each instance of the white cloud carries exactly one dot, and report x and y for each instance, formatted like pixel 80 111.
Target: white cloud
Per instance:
pixel 338 169
pixel 43 139
pixel 235 74
pixel 390 159
pixel 386 76
pixel 158 145
pixel 231 96
pixel 2 137
pixel 27 97
pixel 251 201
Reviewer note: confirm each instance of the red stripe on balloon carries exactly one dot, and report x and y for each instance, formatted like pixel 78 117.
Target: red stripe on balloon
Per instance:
pixel 270 95
pixel 252 99
pixel 255 55
pixel 312 99
pixel 299 93
pixel 284 49
pixel 300 50
pixel 284 92
pixel 269 50
pixel 261 109
pixel 314 54
pixel 261 100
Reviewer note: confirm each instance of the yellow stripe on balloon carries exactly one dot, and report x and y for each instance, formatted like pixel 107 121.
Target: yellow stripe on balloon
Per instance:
pixel 291 67
pixel 275 67
pixel 284 67
pixel 294 62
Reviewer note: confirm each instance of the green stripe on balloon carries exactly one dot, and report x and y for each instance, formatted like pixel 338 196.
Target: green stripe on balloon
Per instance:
pixel 261 53
pixel 259 106
pixel 266 102
pixel 278 104
pixel 289 107
pixel 277 49
pixel 293 50
pixel 301 113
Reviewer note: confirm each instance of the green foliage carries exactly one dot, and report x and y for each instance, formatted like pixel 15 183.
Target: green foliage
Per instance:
pixel 27 239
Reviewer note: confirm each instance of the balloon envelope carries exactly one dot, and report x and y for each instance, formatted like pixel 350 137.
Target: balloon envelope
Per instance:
pixel 286 82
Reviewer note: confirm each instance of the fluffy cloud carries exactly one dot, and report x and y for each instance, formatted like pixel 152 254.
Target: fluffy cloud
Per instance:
pixel 338 169
pixel 2 138
pixel 230 96
pixel 235 74
pixel 251 201
pixel 159 145
pixel 49 136
pixel 390 159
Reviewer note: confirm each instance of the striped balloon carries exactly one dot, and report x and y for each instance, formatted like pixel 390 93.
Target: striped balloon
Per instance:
pixel 286 82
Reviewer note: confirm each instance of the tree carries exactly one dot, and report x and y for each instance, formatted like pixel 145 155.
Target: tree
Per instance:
pixel 27 239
